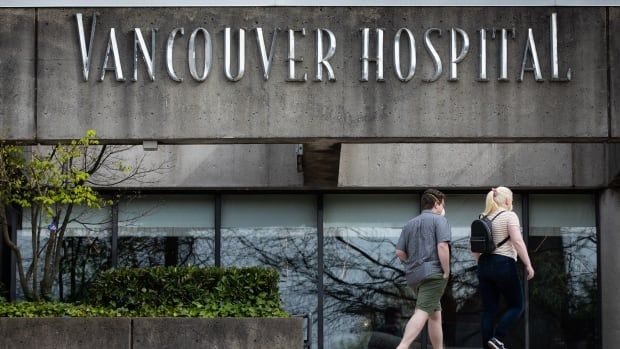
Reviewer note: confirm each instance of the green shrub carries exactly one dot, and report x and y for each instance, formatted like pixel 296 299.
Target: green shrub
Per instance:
pixel 189 291
pixel 54 309
pixel 170 292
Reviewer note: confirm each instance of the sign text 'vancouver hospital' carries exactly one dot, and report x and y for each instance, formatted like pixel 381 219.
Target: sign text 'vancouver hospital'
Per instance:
pixel 326 46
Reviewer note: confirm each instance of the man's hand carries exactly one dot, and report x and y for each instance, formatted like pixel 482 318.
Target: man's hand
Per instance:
pixel 443 250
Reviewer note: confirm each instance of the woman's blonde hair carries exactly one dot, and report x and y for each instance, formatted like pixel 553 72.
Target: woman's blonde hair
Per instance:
pixel 495 197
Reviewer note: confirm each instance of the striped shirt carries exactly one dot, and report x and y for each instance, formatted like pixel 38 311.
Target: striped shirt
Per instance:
pixel 500 232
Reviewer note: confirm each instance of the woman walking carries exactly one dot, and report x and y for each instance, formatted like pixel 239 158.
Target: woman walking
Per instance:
pixel 497 271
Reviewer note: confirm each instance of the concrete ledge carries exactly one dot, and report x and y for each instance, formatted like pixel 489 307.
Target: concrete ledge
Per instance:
pixel 66 333
pixel 152 333
pixel 229 333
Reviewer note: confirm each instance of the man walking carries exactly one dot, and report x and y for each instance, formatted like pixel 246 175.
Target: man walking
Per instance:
pixel 424 249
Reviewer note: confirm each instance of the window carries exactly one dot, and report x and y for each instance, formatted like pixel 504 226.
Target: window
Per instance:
pixel 367 300
pixel 564 293
pixel 277 231
pixel 85 250
pixel 166 230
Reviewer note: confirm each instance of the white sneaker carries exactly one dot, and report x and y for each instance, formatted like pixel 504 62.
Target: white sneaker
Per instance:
pixel 496 343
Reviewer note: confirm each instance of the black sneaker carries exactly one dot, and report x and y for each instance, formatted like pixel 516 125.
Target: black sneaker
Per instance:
pixel 496 343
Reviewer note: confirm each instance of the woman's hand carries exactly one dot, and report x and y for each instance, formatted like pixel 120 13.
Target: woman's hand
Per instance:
pixel 530 272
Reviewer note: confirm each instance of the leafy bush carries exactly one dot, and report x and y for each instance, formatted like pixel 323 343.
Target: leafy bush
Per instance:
pixel 170 292
pixel 54 309
pixel 189 291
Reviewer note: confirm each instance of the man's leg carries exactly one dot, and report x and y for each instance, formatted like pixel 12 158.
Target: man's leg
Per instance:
pixel 414 326
pixel 435 331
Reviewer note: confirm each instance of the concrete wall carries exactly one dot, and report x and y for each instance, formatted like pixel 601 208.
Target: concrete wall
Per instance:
pixel 610 266
pixel 268 333
pixel 212 166
pixel 539 165
pixel 277 111
pixel 152 333
pixel 66 333
pixel 614 47
pixel 17 65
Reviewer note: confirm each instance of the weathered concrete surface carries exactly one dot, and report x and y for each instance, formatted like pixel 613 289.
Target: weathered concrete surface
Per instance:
pixel 610 266
pixel 229 333
pixel 278 111
pixel 17 90
pixel 613 161
pixel 214 166
pixel 539 165
pixel 66 333
pixel 614 48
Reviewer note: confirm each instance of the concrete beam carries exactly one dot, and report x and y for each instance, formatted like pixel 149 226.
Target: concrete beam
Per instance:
pixel 213 166
pixel 537 165
pixel 17 69
pixel 613 164
pixel 277 111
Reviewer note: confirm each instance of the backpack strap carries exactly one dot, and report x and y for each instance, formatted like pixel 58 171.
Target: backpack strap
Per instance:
pixel 507 237
pixel 497 215
pixel 503 242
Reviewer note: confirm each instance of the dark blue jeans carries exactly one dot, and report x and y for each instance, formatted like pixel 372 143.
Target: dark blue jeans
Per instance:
pixel 497 276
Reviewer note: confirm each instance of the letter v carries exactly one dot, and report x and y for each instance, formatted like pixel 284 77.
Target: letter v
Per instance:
pixel 86 54
pixel 266 60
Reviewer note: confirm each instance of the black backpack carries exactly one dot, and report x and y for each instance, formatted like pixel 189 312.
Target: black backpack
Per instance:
pixel 481 239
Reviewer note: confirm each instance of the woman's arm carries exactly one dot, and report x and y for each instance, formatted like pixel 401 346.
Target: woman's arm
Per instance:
pixel 517 241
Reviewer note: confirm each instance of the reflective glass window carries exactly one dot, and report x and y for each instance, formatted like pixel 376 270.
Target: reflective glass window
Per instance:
pixel 166 230
pixel 563 297
pixel 277 231
pixel 367 301
pixel 85 250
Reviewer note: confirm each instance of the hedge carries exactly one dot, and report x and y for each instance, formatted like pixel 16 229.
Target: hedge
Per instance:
pixel 189 291
pixel 54 309
pixel 170 291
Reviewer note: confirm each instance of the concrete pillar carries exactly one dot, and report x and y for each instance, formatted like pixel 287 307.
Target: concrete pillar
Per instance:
pixel 610 266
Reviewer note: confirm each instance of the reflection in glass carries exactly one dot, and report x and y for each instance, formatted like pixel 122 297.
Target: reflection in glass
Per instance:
pixel 166 230
pixel 367 300
pixel 563 249
pixel 86 249
pixel 277 231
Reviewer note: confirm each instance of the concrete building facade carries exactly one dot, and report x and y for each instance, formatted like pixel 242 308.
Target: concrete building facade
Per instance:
pixel 301 138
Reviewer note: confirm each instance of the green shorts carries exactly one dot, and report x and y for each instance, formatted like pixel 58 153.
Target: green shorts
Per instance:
pixel 429 293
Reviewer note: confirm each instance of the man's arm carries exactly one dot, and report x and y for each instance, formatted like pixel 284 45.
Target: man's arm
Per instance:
pixel 402 255
pixel 443 250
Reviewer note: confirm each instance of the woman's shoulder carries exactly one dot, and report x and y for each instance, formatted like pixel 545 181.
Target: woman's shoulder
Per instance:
pixel 510 214
pixel 511 217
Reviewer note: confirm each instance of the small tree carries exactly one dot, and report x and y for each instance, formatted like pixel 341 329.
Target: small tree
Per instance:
pixel 51 182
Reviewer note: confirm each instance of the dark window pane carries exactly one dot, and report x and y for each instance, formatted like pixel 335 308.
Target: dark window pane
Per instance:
pixel 563 249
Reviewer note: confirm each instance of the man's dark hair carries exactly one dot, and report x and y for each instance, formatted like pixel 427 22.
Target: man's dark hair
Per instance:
pixel 430 197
